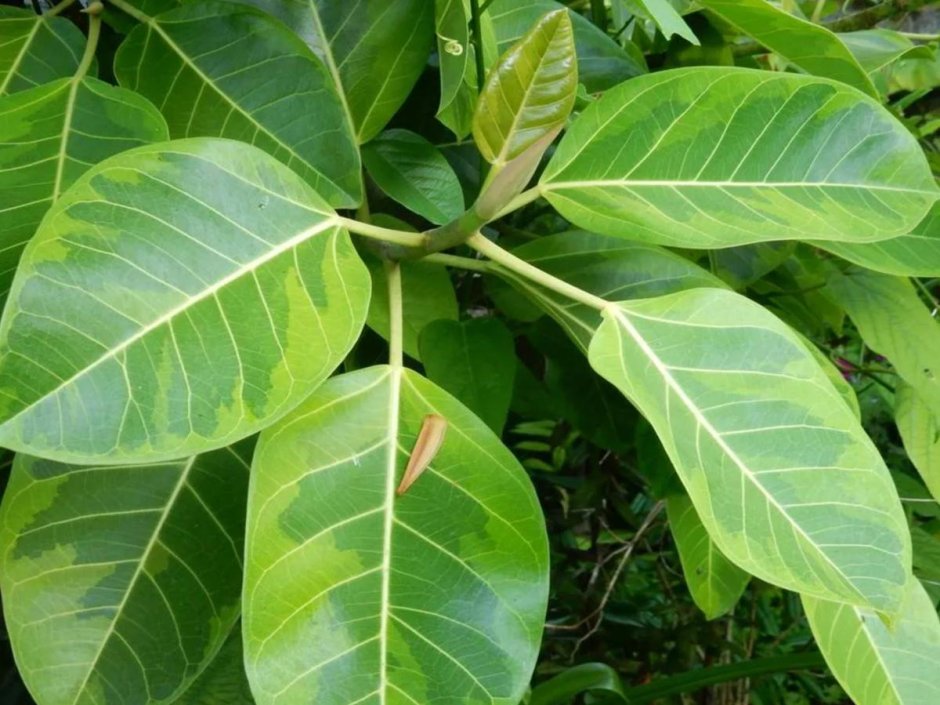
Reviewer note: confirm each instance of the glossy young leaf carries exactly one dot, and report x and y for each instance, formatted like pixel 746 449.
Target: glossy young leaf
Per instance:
pixel 355 594
pixel 530 93
pixel 35 49
pixel 120 583
pixel 219 69
pixel 49 136
pixel 916 254
pixel 413 172
pixel 375 50
pixel 177 298
pixel 753 427
pixel 716 584
pixel 427 295
pixel 808 45
pixel 895 323
pixel 224 681
pixel 475 360
pixel 877 663
pixel 606 267
pixel 920 433
pixel 602 62
pixel 714 157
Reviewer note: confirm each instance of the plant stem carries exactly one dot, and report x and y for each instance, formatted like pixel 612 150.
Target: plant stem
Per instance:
pixel 599 14
pixel 397 237
pixel 395 316
pixel 91 44
pixel 477 38
pixel 818 10
pixel 509 261
pixel 850 23
pixel 129 9
pixel 468 263
pixel 917 36
pixel 59 8
pixel 523 199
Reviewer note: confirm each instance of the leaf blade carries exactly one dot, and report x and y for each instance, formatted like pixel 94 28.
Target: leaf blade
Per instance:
pixel 36 49
pixel 146 602
pixel 377 560
pixel 154 343
pixel 747 179
pixel 255 67
pixel 752 485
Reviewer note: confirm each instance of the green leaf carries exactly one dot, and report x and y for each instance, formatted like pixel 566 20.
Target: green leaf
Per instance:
pixel 355 593
pixel 879 664
pixel 742 266
pixel 751 424
pixel 598 678
pixel 189 293
pixel 453 51
pixel 602 62
pixel 415 174
pixel 224 681
pixel 530 92
pixel 920 433
pixel 49 136
pixel 716 584
pixel 916 254
pixel 809 46
pixel 219 69
pixel 475 360
pixel 35 49
pixel 605 267
pixel 895 323
pixel 375 50
pixel 713 157
pixel 876 49
pixel 669 21
pixel 121 582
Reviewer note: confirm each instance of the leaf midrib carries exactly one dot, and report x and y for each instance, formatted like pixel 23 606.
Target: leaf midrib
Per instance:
pixel 181 308
pixel 685 183
pixel 616 313
pixel 19 57
pixel 145 555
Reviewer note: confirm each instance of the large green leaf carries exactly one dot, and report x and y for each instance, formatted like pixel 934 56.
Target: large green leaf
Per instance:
pixel 715 583
pixel 877 49
pixel 530 93
pixel 354 594
pixel 219 69
pixel 177 298
pixel 375 50
pixel 609 268
pixel 916 254
pixel 712 157
pixel 920 433
pixel 413 172
pixel 895 323
pixel 120 583
pixel 881 664
pixel 602 62
pixel 809 46
pixel 49 136
pixel 475 360
pixel 780 472
pixel 35 49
